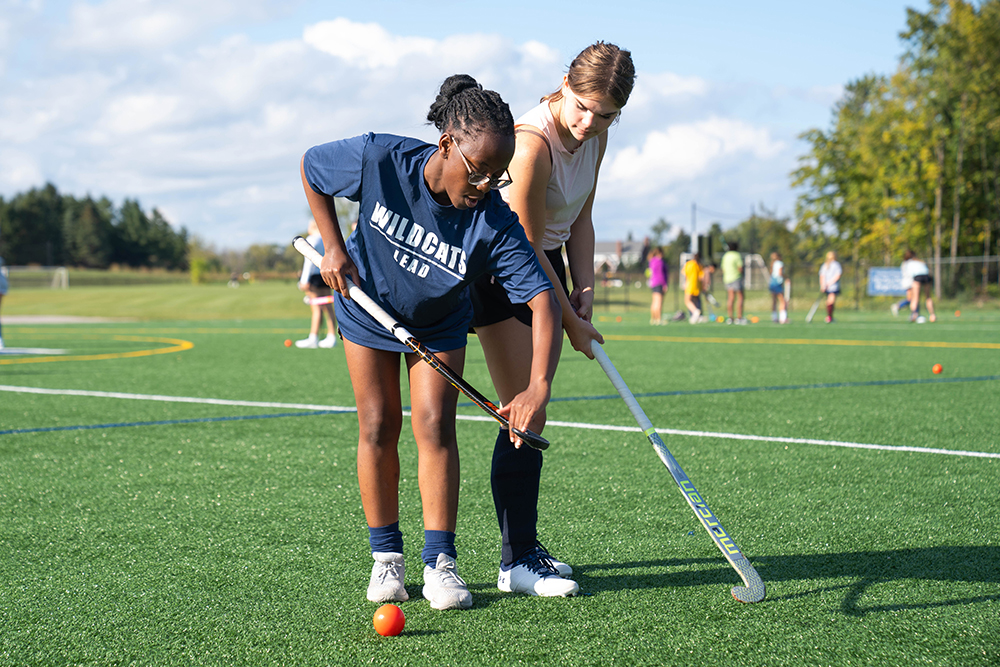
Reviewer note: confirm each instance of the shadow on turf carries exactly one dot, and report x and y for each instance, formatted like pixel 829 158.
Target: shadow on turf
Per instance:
pixel 957 564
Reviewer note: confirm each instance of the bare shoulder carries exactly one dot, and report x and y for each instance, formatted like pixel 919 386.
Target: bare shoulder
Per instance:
pixel 531 145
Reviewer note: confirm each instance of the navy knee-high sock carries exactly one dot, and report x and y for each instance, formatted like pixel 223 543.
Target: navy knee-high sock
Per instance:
pixel 515 477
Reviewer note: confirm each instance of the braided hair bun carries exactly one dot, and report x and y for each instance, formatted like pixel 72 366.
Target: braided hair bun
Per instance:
pixel 463 104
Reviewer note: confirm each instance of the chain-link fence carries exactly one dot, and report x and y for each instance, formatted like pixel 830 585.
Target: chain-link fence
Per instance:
pixel 964 279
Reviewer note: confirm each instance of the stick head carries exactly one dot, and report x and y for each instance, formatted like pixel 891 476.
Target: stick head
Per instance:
pixel 532 439
pixel 754 590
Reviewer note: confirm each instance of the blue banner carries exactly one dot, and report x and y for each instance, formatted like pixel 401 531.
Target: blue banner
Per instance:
pixel 885 281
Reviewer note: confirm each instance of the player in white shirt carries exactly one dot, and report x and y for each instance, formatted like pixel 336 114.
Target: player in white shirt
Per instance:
pixel 917 279
pixel 779 311
pixel 829 282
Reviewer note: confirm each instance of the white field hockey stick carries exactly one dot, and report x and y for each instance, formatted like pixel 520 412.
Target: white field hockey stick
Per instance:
pixel 754 590
pixel 407 339
pixel 812 311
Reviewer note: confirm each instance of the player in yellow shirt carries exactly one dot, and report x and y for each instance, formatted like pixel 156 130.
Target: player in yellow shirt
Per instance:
pixel 694 276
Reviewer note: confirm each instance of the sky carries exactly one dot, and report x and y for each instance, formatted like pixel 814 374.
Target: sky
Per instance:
pixel 204 109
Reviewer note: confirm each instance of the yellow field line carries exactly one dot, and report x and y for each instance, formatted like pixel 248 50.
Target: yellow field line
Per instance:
pixel 176 345
pixel 808 341
pixel 54 331
pixel 621 337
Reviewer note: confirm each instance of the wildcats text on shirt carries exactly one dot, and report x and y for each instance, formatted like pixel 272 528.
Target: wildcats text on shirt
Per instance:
pixel 417 250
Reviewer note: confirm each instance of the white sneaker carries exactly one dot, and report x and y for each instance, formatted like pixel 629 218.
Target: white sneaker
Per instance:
pixel 894 308
pixel 443 588
pixel 310 343
pixel 328 342
pixel 386 584
pixel 535 574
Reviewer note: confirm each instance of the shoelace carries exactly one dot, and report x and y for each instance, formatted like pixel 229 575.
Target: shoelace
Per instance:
pixel 387 569
pixel 545 553
pixel 539 563
pixel 449 573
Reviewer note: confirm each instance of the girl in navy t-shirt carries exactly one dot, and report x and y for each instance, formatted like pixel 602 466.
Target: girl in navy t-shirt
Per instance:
pixel 430 223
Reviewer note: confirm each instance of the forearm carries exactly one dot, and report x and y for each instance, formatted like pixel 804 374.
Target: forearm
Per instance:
pixel 546 337
pixel 580 253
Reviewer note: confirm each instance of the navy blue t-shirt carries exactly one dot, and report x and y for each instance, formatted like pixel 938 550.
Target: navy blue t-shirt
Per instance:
pixel 417 258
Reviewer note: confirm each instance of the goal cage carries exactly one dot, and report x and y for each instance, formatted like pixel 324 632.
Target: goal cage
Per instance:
pixel 27 277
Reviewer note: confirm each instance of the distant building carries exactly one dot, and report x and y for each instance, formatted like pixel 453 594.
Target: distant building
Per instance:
pixel 612 254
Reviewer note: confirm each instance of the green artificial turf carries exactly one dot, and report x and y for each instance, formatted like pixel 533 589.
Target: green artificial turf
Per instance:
pixel 243 541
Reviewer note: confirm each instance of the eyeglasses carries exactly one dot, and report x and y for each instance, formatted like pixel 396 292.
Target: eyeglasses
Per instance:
pixel 477 179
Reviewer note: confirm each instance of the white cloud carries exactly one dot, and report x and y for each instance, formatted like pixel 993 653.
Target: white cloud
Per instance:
pixel 119 26
pixel 654 87
pixel 687 151
pixel 133 114
pixel 366 45
pixel 20 170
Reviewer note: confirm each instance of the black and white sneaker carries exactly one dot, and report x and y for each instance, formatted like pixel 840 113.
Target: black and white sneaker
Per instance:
pixel 535 574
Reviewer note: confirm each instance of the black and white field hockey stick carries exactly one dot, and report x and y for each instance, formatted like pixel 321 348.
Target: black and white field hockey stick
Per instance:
pixel 405 337
pixel 754 590
pixel 812 311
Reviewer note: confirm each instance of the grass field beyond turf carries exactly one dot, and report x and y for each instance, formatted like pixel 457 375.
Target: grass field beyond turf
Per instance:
pixel 155 531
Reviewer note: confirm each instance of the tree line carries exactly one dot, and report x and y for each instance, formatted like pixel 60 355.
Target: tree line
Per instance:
pixel 912 160
pixel 44 227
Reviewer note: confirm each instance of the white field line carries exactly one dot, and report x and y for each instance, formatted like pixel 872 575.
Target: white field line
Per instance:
pixel 772 438
pixel 171 399
pixel 485 418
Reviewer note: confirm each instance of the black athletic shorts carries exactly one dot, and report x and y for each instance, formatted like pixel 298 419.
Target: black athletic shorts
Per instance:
pixel 490 303
pixel 924 279
pixel 316 282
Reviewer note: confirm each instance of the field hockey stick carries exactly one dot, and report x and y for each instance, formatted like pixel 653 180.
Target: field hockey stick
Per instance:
pixel 405 337
pixel 714 302
pixel 812 311
pixel 317 300
pixel 754 590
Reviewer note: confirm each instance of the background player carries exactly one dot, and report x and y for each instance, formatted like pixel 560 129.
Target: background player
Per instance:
pixel 829 282
pixel 311 282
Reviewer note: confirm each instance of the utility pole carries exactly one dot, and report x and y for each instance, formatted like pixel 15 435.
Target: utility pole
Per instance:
pixel 694 228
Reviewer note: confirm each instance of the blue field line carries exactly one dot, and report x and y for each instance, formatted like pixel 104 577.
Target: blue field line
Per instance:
pixel 87 427
pixel 688 392
pixel 787 387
